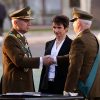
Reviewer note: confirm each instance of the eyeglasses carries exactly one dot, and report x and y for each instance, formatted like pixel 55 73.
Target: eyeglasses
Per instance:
pixel 73 20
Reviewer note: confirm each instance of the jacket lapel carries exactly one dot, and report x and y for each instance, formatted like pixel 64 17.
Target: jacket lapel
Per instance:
pixel 22 41
pixel 64 46
pixel 49 48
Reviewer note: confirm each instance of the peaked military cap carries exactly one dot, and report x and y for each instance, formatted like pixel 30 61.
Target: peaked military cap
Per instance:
pixel 24 13
pixel 77 13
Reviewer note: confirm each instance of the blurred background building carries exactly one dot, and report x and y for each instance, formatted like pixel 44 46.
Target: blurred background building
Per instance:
pixel 44 10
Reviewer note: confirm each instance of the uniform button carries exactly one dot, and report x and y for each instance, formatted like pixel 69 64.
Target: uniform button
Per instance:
pixel 21 78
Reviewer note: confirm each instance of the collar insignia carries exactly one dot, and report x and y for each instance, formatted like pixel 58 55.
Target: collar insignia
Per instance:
pixel 18 36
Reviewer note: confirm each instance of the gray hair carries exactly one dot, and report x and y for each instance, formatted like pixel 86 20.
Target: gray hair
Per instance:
pixel 87 23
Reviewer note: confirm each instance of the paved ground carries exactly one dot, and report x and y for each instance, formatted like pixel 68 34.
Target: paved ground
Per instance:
pixel 37 41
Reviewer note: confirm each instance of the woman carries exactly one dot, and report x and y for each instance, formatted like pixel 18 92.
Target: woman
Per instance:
pixel 53 77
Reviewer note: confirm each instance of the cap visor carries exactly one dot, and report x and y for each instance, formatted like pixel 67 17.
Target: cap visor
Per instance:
pixel 72 20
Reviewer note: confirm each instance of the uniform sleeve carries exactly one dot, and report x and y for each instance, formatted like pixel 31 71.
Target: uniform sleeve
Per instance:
pixel 14 52
pixel 62 59
pixel 76 57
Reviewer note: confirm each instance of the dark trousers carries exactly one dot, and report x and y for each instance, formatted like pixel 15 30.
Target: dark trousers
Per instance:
pixel 1 86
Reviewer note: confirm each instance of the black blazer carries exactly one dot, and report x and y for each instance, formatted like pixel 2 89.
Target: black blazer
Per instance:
pixel 60 70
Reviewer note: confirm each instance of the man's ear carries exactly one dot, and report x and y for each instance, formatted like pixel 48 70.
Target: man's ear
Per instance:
pixel 15 22
pixel 79 23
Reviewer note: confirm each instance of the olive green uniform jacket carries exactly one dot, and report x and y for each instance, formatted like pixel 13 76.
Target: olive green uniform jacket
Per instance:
pixel 82 56
pixel 17 64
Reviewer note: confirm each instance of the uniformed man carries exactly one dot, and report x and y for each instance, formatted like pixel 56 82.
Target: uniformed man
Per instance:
pixel 17 58
pixel 82 55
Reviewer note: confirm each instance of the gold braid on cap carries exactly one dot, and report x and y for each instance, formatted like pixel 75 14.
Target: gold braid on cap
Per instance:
pixel 29 12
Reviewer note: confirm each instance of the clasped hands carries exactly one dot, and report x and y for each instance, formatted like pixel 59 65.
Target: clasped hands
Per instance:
pixel 48 60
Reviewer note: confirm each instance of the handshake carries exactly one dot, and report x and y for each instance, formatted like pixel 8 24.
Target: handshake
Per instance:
pixel 49 60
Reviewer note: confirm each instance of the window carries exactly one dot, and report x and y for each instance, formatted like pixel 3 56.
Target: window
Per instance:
pixel 74 3
pixel 50 7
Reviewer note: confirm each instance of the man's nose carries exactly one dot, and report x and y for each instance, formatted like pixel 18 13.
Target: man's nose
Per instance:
pixel 30 23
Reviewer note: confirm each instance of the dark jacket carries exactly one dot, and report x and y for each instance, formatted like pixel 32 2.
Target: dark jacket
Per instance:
pixel 60 70
pixel 17 65
pixel 82 55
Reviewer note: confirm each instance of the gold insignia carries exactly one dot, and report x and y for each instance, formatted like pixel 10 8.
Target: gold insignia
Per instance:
pixel 29 12
pixel 26 69
pixel 18 36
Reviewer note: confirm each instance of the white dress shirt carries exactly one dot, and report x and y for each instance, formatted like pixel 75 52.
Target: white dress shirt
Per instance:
pixel 54 53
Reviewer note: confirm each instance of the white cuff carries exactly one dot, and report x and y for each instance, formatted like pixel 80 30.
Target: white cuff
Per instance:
pixel 55 60
pixel 41 62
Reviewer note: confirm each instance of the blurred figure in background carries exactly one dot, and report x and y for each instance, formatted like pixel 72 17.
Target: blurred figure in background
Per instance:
pixel 3 14
pixel 53 78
